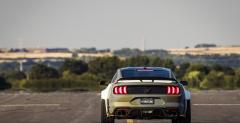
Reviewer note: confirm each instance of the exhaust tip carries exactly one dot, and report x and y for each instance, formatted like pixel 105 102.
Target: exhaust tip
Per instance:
pixel 121 113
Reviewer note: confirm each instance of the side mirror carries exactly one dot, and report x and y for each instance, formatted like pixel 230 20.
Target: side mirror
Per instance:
pixel 185 83
pixel 102 82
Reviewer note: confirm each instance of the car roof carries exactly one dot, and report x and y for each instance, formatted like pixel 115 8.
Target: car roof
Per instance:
pixel 151 68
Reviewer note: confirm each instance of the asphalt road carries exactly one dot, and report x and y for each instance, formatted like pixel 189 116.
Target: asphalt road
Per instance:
pixel 59 107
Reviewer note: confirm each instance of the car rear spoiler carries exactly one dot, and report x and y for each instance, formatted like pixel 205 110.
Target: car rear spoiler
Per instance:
pixel 147 81
pixel 146 78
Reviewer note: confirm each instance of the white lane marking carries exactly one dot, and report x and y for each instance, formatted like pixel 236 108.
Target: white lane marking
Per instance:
pixel 29 105
pixel 216 104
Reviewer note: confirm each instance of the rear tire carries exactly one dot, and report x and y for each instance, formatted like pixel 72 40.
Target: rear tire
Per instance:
pixel 186 119
pixel 104 118
pixel 174 121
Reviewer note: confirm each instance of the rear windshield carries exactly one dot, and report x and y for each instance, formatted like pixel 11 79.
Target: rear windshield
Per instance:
pixel 148 73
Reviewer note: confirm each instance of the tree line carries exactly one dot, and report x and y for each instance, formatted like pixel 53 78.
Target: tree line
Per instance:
pixel 79 75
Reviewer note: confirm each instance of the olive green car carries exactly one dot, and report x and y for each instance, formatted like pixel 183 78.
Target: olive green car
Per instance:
pixel 145 93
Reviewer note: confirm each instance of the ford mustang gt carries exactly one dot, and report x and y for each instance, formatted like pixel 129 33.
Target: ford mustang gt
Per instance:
pixel 145 93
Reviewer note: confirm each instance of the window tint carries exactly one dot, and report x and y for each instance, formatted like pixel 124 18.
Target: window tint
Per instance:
pixel 145 73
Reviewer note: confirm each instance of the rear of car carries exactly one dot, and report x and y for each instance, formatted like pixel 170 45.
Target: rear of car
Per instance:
pixel 143 93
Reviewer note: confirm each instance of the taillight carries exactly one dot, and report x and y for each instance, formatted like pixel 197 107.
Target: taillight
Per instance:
pixel 173 90
pixel 120 90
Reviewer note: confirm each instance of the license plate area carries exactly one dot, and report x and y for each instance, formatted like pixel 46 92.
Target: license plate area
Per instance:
pixel 147 101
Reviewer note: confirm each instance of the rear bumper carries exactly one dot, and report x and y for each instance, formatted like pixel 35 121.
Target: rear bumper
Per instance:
pixel 146 113
pixel 128 106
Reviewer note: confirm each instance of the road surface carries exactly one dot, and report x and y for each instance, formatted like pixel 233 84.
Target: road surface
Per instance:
pixel 60 107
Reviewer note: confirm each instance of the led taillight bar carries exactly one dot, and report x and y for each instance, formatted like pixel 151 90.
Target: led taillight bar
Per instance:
pixel 173 90
pixel 120 90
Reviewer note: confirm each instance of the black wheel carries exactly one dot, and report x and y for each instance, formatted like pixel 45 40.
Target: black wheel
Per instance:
pixel 186 119
pixel 188 113
pixel 174 121
pixel 104 118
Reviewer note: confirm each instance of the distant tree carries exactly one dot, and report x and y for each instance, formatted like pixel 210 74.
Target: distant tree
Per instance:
pixel 156 62
pixel 139 61
pixel 15 75
pixel 168 63
pixel 213 80
pixel 227 70
pixel 105 67
pixel 229 82
pixel 199 67
pixel 237 77
pixel 194 78
pixel 180 72
pixel 74 66
pixel 217 67
pixel 4 84
pixel 146 61
pixel 40 71
pixel 9 66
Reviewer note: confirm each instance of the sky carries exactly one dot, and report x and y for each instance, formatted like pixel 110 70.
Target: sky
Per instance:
pixel 117 24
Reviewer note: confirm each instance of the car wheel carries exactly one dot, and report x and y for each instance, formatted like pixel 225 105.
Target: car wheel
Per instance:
pixel 104 118
pixel 186 119
pixel 174 121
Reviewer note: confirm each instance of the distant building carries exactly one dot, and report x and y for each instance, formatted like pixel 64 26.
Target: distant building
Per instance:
pixel 104 51
pixel 205 45
pixel 18 50
pixel 91 50
pixel 86 50
pixel 223 50
pixel 58 50
pixel 37 50
pixel 108 54
pixel 28 55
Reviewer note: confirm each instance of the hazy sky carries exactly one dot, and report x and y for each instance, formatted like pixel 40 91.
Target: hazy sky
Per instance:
pixel 118 23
